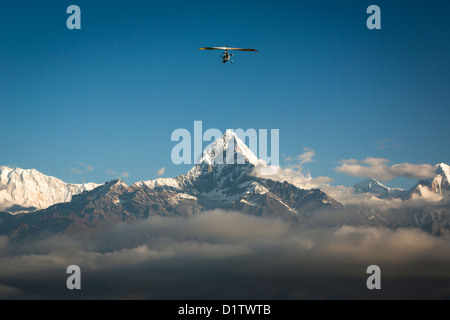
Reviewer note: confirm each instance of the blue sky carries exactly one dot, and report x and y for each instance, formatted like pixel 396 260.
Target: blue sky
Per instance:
pixel 85 105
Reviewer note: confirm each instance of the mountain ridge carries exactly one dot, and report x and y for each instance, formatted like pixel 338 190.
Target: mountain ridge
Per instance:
pixel 27 190
pixel 210 185
pixel 207 186
pixel 435 188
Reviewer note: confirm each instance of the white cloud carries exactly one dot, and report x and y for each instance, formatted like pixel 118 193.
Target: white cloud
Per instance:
pixel 379 169
pixel 383 143
pixel 295 176
pixel 76 170
pixel 124 174
pixel 305 157
pixel 161 171
pixel 426 194
pixel 82 168
pixel 294 173
pixel 347 197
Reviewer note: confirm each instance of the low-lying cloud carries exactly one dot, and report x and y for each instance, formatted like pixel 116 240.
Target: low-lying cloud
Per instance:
pixel 228 255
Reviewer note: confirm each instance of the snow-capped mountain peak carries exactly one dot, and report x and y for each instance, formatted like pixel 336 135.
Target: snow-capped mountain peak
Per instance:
pixel 229 149
pixel 373 186
pixel 216 182
pixel 442 168
pixel 434 189
pixel 224 163
pixel 24 190
pixel 370 185
pixel 440 184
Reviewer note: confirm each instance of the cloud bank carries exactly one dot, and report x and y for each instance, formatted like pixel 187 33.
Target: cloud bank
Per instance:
pixel 227 255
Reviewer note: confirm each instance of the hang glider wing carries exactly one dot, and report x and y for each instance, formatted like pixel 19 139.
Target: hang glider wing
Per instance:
pixel 226 48
pixel 239 49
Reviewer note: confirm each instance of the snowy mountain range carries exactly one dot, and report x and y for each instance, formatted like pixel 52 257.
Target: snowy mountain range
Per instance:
pixel 434 189
pixel 89 208
pixel 207 186
pixel 29 190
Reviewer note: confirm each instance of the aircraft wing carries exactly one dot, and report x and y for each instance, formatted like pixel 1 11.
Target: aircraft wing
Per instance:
pixel 239 49
pixel 226 48
pixel 214 48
